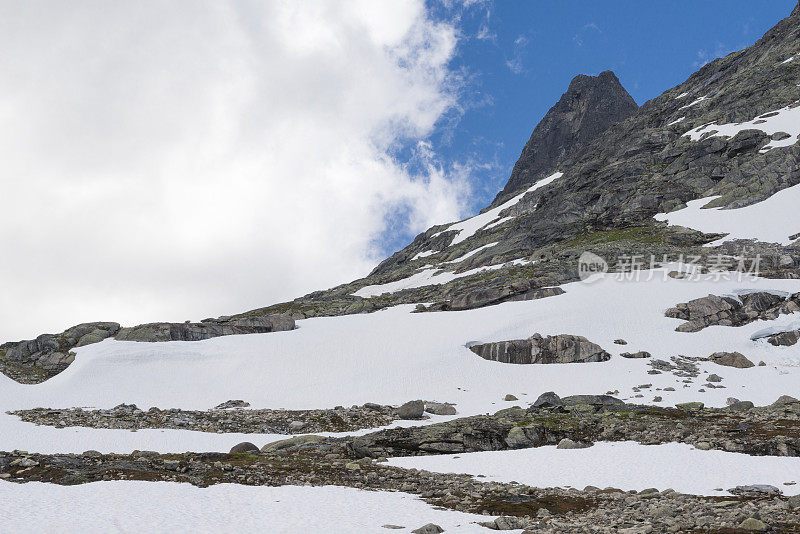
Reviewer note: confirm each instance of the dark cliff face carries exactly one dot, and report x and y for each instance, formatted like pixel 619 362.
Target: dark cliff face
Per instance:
pixel 589 107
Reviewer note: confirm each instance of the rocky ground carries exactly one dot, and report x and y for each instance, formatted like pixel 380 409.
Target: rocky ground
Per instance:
pixel 570 422
pixel 228 417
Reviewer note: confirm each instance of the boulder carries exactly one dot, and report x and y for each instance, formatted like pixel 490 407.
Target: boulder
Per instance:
pixel 295 443
pixel 595 400
pixel 548 400
pixel 243 447
pixel 510 397
pixel 561 348
pixel 440 408
pixel 411 410
pixel 430 528
pixel 731 359
pixel 640 354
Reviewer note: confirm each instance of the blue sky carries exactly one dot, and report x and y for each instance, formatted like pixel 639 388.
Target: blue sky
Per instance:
pixel 517 58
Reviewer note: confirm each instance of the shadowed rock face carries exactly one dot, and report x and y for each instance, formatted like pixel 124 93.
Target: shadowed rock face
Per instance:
pixel 562 348
pixel 590 105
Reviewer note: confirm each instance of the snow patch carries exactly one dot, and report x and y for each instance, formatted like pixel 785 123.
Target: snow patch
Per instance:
pixel 424 254
pixel 472 253
pixel 673 465
pixel 772 220
pixel 135 506
pixel 695 102
pixel 784 120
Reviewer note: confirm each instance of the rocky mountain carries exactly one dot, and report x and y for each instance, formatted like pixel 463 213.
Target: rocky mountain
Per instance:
pixel 593 176
pixel 678 382
pixel 589 107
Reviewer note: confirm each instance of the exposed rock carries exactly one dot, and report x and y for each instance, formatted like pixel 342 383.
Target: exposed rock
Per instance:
pixel 714 378
pixel 440 408
pixel 243 447
pixel 510 397
pixel 411 410
pixel 786 399
pixel 753 524
pixel 640 354
pixel 232 404
pixel 430 528
pixel 785 339
pixel 728 311
pixel 548 400
pixel 759 489
pixel 594 400
pixel 620 342
pixel 731 359
pixel 741 406
pixel 506 523
pixel 207 329
pixel 130 417
pixel 567 443
pixel 690 406
pixel 562 348
pixel 38 359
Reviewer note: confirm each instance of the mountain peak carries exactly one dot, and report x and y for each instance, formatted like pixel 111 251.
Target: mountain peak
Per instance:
pixel 589 107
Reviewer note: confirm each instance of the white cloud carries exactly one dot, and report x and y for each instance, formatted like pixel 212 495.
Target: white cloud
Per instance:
pixel 515 64
pixel 167 161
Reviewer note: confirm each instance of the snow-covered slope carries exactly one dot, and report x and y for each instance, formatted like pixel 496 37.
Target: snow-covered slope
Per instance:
pixel 394 355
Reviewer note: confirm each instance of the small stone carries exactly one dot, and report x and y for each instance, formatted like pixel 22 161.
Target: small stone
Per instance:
pixel 714 378
pixel 567 443
pixel 620 342
pixel 353 466
pixel 657 399
pixel 751 523
pixel 762 363
pixel 510 397
pixel 395 527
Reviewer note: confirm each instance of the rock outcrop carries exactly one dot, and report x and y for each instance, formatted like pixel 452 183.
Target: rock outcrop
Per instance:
pixel 561 348
pixel 207 329
pixel 784 339
pixel 730 311
pixel 36 360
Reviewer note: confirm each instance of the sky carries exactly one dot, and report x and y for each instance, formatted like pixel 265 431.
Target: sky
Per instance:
pixel 173 161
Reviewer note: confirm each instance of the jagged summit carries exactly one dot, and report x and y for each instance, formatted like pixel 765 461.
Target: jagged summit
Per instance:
pixel 588 108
